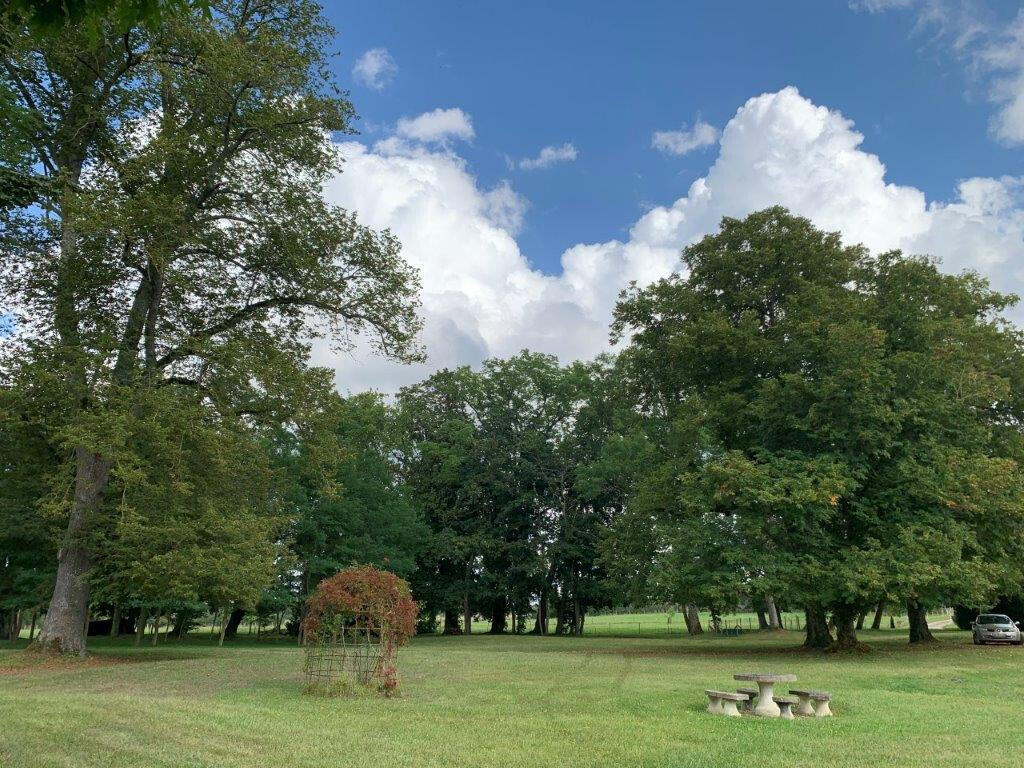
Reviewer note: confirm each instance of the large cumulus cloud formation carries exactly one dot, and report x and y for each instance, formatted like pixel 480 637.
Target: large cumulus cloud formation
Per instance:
pixel 481 297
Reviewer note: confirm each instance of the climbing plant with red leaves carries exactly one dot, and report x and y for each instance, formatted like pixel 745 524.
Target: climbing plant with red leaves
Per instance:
pixel 358 595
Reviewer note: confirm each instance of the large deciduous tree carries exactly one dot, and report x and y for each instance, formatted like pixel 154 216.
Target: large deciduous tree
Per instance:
pixel 345 499
pixel 182 256
pixel 848 409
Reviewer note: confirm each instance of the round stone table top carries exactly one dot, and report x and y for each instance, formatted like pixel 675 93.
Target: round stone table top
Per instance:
pixel 766 678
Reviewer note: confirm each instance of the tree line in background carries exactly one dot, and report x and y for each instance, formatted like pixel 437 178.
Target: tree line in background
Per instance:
pixel 788 423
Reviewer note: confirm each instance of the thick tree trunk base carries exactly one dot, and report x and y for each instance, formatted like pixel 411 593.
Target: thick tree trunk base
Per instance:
pixel 499 618
pixel 918 617
pixel 233 623
pixel 817 634
pixel 64 628
pixel 845 619
pixel 692 618
pixel 773 613
pixel 876 623
pixel 451 623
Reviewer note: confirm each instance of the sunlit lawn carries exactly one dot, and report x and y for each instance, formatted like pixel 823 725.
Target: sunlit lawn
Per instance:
pixel 513 701
pixel 663 623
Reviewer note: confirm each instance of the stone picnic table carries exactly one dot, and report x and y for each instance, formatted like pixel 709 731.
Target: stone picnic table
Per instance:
pixel 766 706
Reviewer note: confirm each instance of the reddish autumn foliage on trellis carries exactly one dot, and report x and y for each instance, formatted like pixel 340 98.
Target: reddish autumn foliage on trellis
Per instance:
pixel 365 590
pixel 355 621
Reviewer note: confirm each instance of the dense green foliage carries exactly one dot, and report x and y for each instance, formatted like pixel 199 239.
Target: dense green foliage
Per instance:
pixel 167 288
pixel 503 464
pixel 853 422
pixel 47 17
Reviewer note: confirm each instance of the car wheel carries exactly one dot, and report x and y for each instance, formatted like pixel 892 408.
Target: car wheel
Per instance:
pixel 1019 641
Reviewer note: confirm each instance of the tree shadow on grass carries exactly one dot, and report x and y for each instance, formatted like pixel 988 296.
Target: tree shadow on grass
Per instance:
pixel 27 661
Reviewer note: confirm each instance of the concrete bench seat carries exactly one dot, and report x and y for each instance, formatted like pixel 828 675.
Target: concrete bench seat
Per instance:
pixel 820 707
pixel 751 694
pixel 724 702
pixel 785 706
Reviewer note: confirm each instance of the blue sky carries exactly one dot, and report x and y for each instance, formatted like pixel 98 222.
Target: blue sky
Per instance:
pixel 605 76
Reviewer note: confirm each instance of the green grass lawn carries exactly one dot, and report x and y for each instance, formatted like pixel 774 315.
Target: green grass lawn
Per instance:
pixel 645 624
pixel 513 701
pixel 654 624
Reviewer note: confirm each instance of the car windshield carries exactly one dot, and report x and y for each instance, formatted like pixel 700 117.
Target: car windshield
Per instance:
pixel 993 618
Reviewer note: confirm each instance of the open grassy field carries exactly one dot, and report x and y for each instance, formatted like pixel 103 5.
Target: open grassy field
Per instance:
pixel 654 624
pixel 513 701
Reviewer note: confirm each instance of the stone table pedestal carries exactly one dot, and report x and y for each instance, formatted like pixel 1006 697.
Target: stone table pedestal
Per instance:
pixel 766 707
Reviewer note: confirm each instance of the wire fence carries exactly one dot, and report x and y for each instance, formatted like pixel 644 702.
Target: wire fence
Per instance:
pixel 652 625
pixel 728 626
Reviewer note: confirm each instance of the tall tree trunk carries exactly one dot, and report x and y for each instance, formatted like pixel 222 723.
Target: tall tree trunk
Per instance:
pixel 499 608
pixel 467 621
pixel 223 626
pixel 451 622
pixel 140 627
pixel 845 618
pixel 860 620
pixel 32 626
pixel 156 625
pixel 817 634
pixel 541 625
pixel 236 619
pixel 876 623
pixel 692 618
pixel 181 621
pixel 560 615
pixel 577 616
pixel 773 612
pixel 64 627
pixel 762 622
pixel 918 617
pixel 115 620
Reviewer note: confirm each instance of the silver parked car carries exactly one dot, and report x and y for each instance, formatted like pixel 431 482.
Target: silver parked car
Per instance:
pixel 996 628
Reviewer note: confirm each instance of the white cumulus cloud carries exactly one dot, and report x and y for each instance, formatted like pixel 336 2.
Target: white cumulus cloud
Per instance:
pixel 375 69
pixel 438 125
pixel 686 139
pixel 481 297
pixel 548 156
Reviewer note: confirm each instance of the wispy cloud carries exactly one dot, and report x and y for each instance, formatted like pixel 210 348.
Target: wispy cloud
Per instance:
pixel 548 156
pixel 375 69
pixel 686 139
pixel 878 6
pixel 990 45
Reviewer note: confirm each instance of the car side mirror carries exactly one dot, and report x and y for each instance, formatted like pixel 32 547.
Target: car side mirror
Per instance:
pixel 1017 623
